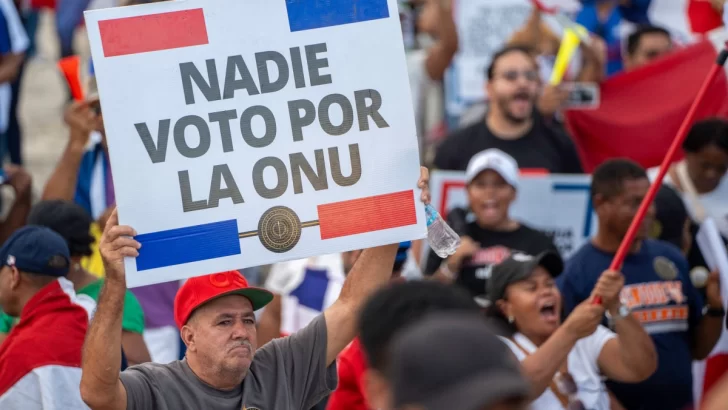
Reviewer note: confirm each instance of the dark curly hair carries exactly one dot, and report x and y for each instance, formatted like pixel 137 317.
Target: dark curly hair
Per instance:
pixel 67 219
pixel 396 306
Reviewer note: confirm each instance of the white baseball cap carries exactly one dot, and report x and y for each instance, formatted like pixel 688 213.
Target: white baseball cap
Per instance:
pixel 494 159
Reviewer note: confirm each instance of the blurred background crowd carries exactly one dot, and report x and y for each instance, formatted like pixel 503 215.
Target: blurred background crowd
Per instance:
pixel 488 106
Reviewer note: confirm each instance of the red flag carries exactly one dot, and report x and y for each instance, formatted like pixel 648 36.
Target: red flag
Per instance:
pixel 716 367
pixel 41 4
pixel 703 17
pixel 641 111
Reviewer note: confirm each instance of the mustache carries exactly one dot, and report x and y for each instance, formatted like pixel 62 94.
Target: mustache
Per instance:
pixel 522 94
pixel 241 343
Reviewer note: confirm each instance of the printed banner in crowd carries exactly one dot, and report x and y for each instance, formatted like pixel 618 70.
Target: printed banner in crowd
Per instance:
pixel 559 205
pixel 484 26
pixel 641 111
pixel 247 133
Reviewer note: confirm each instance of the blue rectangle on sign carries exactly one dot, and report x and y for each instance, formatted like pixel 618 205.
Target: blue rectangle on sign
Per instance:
pixel 312 14
pixel 190 244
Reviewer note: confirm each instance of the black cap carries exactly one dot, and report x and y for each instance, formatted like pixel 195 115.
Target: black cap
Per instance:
pixel 670 217
pixel 517 267
pixel 479 371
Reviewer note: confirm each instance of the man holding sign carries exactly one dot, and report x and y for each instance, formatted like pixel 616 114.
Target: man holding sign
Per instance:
pixel 215 314
pixel 242 134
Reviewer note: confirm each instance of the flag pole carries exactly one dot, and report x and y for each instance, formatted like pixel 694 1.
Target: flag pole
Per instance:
pixel 676 143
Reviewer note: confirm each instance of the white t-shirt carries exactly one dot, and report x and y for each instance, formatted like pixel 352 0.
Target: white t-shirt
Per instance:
pixel 715 203
pixel 583 367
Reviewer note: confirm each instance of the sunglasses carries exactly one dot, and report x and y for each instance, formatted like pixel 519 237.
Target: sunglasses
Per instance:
pixel 513 75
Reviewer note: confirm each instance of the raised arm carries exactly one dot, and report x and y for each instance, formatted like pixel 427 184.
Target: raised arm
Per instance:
pixel 10 66
pixel 372 270
pixel 101 388
pixel 631 356
pixel 706 334
pixel 541 366
pixel 21 182
pixel 594 60
pixel 440 55
pixel 62 183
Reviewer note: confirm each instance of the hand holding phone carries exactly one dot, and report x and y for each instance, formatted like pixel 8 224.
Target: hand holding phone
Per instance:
pixel 582 96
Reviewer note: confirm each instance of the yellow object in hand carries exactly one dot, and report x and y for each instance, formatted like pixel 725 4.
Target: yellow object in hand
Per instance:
pixel 568 47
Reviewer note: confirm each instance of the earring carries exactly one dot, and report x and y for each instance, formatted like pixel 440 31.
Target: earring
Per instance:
pixel 510 319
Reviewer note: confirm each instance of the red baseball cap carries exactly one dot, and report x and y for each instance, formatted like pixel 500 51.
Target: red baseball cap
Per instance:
pixel 202 289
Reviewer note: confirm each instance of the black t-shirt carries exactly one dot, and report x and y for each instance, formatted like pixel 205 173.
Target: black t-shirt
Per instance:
pixel 495 246
pixel 543 147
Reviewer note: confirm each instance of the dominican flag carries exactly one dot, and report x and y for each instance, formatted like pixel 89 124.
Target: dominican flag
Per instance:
pixel 40 360
pixel 307 287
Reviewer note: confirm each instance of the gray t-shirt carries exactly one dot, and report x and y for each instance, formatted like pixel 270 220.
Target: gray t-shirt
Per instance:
pixel 287 373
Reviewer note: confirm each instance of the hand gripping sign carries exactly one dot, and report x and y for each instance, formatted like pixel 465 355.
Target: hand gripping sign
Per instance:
pixel 287 121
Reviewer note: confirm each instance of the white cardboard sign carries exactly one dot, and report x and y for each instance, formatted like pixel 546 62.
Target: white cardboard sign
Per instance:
pixel 557 204
pixel 243 133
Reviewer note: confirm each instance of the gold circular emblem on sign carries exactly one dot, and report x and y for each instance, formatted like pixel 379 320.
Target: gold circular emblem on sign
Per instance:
pixel 664 267
pixel 279 229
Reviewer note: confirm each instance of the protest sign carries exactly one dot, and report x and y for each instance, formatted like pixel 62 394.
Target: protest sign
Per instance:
pixel 243 133
pixel 558 205
pixel 484 26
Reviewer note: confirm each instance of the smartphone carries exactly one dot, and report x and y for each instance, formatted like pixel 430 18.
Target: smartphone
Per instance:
pixel 582 96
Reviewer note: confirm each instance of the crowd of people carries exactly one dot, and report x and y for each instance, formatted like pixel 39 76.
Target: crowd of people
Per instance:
pixel 507 322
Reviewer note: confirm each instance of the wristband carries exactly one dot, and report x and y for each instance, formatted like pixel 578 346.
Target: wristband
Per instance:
pixel 713 312
pixel 622 312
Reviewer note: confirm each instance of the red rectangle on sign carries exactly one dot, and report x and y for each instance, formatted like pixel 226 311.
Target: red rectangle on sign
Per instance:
pixel 370 214
pixel 153 32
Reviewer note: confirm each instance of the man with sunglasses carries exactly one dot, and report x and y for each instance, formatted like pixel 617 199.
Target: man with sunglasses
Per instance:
pixel 512 123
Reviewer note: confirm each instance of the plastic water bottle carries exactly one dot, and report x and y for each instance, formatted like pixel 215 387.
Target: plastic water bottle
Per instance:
pixel 442 239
